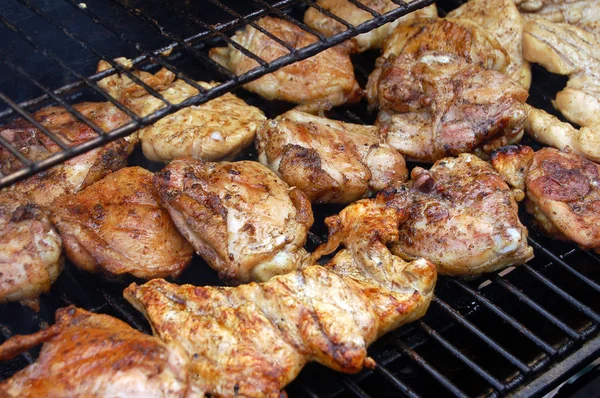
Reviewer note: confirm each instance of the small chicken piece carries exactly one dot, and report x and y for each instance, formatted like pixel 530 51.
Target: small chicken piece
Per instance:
pixel 568 50
pixel 325 77
pixel 252 340
pixel 240 217
pixel 30 251
pixel 436 105
pixel 502 20
pixel 330 161
pixel 562 191
pixel 93 355
pixel 117 226
pixel 355 15
pixel 584 14
pixel 72 175
pixel 217 130
pixel 463 218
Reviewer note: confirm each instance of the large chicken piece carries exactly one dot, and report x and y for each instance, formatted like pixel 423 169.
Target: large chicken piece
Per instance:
pixel 92 355
pixel 77 173
pixel 582 13
pixel 327 76
pixel 330 161
pixel 463 217
pixel 240 217
pixel 30 251
pixel 117 226
pixel 349 12
pixel 217 130
pixel 562 191
pixel 252 340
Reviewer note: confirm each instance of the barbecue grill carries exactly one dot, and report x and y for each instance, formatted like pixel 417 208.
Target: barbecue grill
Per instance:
pixel 520 331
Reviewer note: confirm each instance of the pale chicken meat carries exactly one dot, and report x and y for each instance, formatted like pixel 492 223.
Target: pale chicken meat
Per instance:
pixel 351 13
pixel 502 20
pixel 94 355
pixel 462 217
pixel 239 216
pixel 117 226
pixel 582 13
pixel 217 130
pixel 330 161
pixel 252 340
pixel 562 191
pixel 77 173
pixel 326 77
pixel 30 251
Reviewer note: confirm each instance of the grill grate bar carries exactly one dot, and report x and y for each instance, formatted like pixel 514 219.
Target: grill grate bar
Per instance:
pixel 406 390
pixel 355 388
pixel 328 13
pixel 308 391
pixel 364 7
pixel 14 150
pixel 283 15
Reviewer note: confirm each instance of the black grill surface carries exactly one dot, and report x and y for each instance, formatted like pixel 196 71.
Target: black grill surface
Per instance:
pixel 521 331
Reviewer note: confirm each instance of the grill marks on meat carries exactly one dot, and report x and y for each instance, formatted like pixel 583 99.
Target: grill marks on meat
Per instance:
pixel 584 14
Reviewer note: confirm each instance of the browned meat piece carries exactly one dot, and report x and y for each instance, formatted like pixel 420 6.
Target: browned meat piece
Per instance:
pixel 354 15
pixel 252 340
pixel 240 217
pixel 117 226
pixel 562 191
pixel 30 251
pixel 327 76
pixel 92 355
pixel 463 218
pixel 330 161
pixel 77 173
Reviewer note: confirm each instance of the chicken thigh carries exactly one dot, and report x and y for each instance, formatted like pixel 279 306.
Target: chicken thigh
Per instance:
pixel 584 14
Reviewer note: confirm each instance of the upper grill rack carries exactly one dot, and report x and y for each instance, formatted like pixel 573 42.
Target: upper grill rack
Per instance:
pixel 192 44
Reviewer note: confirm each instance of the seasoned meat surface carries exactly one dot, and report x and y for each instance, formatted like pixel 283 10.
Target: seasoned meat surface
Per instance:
pixel 117 226
pixel 584 14
pixel 239 216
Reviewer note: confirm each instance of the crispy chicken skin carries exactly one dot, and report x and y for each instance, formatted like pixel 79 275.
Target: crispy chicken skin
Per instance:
pixel 330 161
pixel 502 20
pixel 217 130
pixel 327 76
pixel 252 340
pixel 354 15
pixel 92 355
pixel 463 218
pixel 562 191
pixel 240 217
pixel 117 226
pixel 77 173
pixel 30 251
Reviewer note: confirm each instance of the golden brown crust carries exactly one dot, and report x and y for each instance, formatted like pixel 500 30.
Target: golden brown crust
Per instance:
pixel 512 162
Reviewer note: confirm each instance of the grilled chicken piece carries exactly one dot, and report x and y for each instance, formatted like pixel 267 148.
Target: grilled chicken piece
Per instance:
pixel 502 20
pixel 240 217
pixel 217 130
pixel 30 251
pixel 562 191
pixel 436 105
pixel 568 50
pixel 327 76
pixel 463 218
pixel 581 13
pixel 93 355
pixel 330 161
pixel 77 173
pixel 252 340
pixel 355 15
pixel 117 226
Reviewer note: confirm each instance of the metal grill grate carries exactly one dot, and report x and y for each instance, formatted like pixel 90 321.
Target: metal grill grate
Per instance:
pixel 519 331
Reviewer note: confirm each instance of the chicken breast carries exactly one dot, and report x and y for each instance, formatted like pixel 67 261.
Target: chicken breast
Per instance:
pixel 72 175
pixel 463 218
pixel 584 14
pixel 349 12
pixel 330 161
pixel 93 355
pixel 502 20
pixel 327 76
pixel 240 217
pixel 562 191
pixel 117 226
pixel 252 340
pixel 30 251
pixel 217 130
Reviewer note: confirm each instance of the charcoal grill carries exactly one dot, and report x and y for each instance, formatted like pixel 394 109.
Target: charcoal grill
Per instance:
pixel 521 331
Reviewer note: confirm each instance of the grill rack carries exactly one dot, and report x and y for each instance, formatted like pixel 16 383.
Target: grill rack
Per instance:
pixel 548 309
